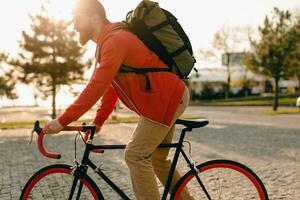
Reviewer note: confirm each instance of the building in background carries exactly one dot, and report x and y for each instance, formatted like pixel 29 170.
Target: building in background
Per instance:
pixel 215 79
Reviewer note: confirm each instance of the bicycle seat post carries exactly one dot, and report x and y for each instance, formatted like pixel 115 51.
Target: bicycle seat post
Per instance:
pixel 183 132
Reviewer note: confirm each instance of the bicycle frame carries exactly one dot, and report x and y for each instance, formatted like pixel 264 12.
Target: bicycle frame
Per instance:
pixel 81 168
pixel 86 162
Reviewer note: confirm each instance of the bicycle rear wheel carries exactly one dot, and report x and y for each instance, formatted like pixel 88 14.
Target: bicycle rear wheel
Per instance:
pixel 223 179
pixel 55 181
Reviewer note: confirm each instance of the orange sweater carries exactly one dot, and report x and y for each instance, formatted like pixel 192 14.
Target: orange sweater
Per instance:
pixel 122 47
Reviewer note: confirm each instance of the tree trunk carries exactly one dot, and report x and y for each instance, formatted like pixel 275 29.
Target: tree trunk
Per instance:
pixel 227 89
pixel 53 98
pixel 298 76
pixel 246 91
pixel 245 84
pixel 275 104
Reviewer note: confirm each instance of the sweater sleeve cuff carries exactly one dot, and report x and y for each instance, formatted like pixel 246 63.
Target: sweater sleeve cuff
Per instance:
pixel 64 120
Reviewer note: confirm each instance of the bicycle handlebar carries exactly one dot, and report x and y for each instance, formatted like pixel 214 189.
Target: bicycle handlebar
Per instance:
pixel 42 148
pixel 41 133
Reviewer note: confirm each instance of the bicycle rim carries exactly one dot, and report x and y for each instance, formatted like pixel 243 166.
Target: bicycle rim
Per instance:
pixel 55 181
pixel 223 179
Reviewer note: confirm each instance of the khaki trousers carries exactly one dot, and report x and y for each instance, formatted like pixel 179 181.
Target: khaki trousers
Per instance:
pixel 144 160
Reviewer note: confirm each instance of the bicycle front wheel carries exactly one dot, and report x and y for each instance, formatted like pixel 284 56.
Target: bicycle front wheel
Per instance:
pixel 222 179
pixel 55 181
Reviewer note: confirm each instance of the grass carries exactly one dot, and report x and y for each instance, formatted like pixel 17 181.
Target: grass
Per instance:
pixel 7 125
pixel 28 124
pixel 250 101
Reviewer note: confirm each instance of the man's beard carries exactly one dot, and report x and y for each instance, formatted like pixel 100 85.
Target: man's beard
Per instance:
pixel 85 35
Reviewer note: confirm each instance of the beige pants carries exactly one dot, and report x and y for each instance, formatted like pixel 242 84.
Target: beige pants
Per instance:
pixel 144 160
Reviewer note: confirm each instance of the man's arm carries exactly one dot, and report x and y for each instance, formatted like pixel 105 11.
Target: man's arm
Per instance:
pixel 108 102
pixel 113 53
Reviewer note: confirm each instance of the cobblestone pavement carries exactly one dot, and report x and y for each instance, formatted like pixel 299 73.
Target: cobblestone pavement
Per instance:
pixel 272 152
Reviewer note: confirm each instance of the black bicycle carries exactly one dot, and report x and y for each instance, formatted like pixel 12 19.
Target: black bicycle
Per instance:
pixel 216 179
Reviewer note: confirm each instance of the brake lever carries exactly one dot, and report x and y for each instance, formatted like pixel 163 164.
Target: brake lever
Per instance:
pixel 31 137
pixel 37 129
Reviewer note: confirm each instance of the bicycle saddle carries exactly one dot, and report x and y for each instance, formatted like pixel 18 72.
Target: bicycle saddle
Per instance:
pixel 197 123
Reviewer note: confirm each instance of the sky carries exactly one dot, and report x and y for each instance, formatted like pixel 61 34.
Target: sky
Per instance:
pixel 200 19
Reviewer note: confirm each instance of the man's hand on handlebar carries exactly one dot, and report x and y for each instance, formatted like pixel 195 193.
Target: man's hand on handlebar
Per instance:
pixel 53 127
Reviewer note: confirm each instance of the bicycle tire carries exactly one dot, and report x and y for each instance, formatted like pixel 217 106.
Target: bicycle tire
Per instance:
pixel 57 171
pixel 207 172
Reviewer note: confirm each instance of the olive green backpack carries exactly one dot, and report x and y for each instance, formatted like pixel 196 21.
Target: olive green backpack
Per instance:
pixel 159 30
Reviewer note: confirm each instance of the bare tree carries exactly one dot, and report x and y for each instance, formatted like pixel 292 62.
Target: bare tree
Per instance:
pixel 226 42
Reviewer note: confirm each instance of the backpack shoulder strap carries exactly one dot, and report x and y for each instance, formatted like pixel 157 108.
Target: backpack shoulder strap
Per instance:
pixel 116 28
pixel 142 71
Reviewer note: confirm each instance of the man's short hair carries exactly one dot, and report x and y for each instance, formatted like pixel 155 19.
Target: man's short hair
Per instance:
pixel 86 7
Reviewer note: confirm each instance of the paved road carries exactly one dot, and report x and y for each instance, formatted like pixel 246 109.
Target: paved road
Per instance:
pixel 270 145
pixel 246 116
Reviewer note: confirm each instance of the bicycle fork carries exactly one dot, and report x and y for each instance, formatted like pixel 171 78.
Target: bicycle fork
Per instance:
pixel 76 175
pixel 78 170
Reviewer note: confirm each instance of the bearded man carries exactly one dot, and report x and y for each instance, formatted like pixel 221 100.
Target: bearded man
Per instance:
pixel 157 107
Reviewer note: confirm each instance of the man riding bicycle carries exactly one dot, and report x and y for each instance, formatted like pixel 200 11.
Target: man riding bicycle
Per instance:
pixel 158 106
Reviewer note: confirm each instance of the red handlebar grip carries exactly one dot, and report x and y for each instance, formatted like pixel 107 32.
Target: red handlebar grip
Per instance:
pixel 42 148
pixel 55 155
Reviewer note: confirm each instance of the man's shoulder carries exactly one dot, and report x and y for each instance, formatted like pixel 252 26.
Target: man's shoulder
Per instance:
pixel 120 35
